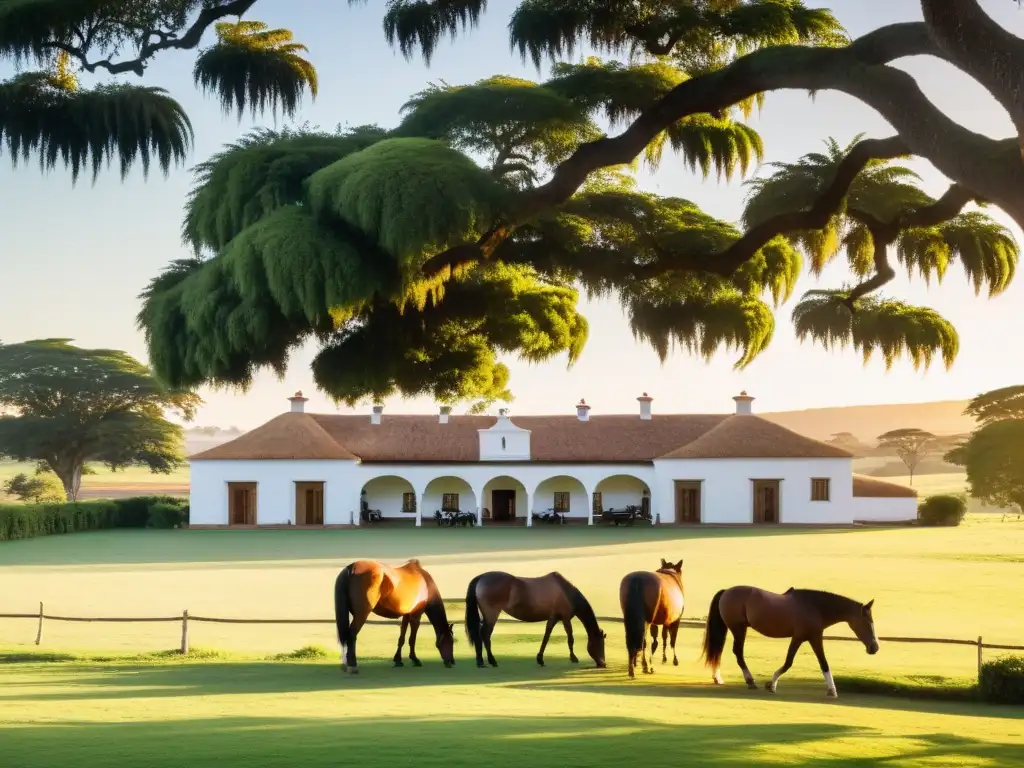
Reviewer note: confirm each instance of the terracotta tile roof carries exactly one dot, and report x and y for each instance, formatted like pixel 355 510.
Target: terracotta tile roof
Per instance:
pixel 870 487
pixel 288 436
pixel 751 437
pixel 613 438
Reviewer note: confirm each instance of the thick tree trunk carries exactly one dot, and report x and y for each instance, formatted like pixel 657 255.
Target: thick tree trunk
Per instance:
pixel 70 476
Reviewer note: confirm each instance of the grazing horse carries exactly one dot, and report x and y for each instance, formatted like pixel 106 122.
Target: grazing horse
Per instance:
pixel 800 614
pixel 550 598
pixel 654 599
pixel 405 592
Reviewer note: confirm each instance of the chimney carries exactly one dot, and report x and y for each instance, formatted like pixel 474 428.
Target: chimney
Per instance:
pixel 645 406
pixel 377 411
pixel 743 401
pixel 446 411
pixel 298 402
pixel 583 410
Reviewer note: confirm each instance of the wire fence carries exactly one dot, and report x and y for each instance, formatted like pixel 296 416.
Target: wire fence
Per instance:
pixel 186 618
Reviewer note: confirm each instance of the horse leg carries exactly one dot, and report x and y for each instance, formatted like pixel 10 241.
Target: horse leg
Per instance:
pixel 673 631
pixel 664 644
pixel 414 628
pixel 489 618
pixel 547 636
pixel 648 668
pixel 401 642
pixel 739 636
pixel 567 623
pixel 358 619
pixel 794 646
pixel 654 642
pixel 817 645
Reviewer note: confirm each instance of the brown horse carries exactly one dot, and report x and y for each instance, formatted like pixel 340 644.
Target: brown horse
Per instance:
pixel 405 592
pixel 550 598
pixel 654 599
pixel 800 614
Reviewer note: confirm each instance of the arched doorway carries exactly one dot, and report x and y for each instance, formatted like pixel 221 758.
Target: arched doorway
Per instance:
pixel 563 494
pixel 448 493
pixel 506 501
pixel 390 495
pixel 620 491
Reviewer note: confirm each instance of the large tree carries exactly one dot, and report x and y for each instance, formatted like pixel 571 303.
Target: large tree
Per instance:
pixel 417 254
pixel 71 406
pixel 993 455
pixel 910 444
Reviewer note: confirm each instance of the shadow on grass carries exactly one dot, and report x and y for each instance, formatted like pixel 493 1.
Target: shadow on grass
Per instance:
pixel 132 547
pixel 430 741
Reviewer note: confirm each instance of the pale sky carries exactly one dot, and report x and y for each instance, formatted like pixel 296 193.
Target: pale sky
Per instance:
pixel 74 259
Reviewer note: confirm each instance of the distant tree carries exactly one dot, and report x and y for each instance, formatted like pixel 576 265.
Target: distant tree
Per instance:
pixel 848 441
pixel 74 406
pixel 37 488
pixel 911 445
pixel 993 455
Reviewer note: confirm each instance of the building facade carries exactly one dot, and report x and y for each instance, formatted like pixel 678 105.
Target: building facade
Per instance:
pixel 307 469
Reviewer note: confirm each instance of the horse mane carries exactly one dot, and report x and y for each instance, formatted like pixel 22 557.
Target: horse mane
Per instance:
pixel 580 605
pixel 831 605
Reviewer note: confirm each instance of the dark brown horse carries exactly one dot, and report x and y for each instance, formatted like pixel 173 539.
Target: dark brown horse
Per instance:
pixel 651 599
pixel 550 598
pixel 405 592
pixel 800 614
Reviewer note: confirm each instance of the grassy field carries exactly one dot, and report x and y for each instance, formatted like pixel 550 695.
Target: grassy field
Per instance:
pixel 133 481
pixel 244 709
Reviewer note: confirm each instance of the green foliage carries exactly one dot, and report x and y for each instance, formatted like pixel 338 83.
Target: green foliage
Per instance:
pixel 81 128
pixel 74 405
pixel 1002 680
pixel 35 489
pixel 993 457
pixel 421 24
pixel 997 405
pixel 944 509
pixel 26 521
pixel 252 65
pixel 886 326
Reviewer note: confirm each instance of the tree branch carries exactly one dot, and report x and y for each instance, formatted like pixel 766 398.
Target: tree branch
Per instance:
pixel 857 69
pixel 165 40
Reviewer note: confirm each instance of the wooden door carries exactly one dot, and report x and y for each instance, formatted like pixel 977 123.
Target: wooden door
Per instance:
pixel 503 505
pixel 242 503
pixel 309 503
pixel 766 501
pixel 688 502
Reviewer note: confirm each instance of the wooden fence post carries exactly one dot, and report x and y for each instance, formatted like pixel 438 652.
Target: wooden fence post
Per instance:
pixel 184 632
pixel 39 631
pixel 981 646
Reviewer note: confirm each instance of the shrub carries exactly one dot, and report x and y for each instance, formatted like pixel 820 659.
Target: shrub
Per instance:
pixel 25 521
pixel 1002 680
pixel 36 489
pixel 944 509
pixel 165 514
pixel 137 511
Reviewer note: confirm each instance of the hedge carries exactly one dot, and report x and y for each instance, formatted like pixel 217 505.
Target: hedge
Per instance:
pixel 26 521
pixel 1002 680
pixel 944 509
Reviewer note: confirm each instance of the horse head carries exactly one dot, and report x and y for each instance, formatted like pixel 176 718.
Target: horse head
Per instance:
pixel 863 625
pixel 446 644
pixel 595 647
pixel 674 567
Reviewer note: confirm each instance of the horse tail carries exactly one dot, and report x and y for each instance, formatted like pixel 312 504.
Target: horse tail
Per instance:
pixel 473 612
pixel 341 585
pixel 635 615
pixel 714 633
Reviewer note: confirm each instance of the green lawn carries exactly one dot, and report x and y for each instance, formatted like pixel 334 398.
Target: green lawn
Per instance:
pixel 243 709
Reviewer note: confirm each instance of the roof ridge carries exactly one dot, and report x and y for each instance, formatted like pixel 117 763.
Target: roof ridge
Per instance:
pixel 718 442
pixel 289 435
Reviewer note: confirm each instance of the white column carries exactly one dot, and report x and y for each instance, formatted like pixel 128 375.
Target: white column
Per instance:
pixel 356 514
pixel 420 498
pixel 478 494
pixel 529 510
pixel 590 504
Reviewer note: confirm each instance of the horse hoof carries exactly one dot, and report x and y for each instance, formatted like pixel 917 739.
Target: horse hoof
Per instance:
pixel 574 660
pixel 752 685
pixel 493 663
pixel 353 671
pixel 416 662
pixel 769 687
pixel 675 662
pixel 832 694
pixel 399 664
pixel 481 665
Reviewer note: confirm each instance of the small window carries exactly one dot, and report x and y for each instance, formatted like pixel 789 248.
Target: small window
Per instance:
pixel 450 501
pixel 409 503
pixel 820 489
pixel 598 508
pixel 561 501
pixel 503 443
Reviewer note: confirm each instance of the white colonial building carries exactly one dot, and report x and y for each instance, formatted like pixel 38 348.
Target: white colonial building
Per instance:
pixel 308 469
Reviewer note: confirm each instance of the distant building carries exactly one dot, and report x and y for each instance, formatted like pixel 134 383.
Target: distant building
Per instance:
pixel 311 469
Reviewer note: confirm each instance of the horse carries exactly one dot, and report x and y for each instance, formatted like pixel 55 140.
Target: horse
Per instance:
pixel 551 598
pixel 405 592
pixel 651 599
pixel 800 614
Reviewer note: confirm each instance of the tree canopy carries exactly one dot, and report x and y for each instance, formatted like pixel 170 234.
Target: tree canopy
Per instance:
pixel 71 406
pixel 418 254
pixel 993 455
pixel 910 444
